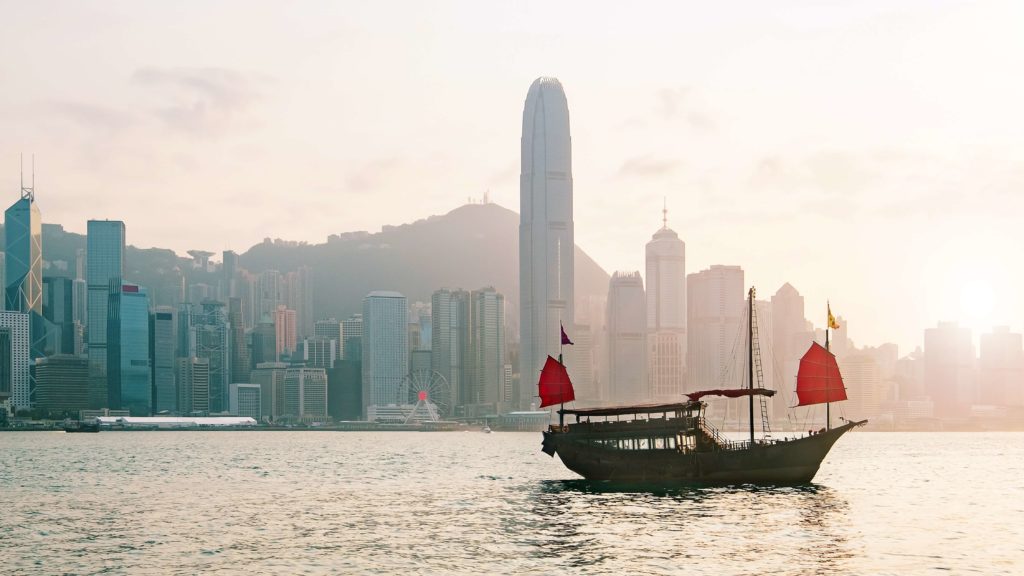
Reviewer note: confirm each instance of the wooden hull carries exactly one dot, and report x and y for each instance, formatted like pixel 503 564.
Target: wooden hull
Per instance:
pixel 781 462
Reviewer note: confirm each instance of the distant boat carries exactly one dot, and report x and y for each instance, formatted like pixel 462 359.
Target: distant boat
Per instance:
pixel 674 443
pixel 75 427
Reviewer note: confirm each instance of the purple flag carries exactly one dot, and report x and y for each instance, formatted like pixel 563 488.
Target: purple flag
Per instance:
pixel 565 338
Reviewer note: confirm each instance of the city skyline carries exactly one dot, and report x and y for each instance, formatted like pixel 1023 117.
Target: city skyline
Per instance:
pixel 826 164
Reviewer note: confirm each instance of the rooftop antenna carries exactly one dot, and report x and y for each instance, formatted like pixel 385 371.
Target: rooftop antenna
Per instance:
pixel 664 212
pixel 28 193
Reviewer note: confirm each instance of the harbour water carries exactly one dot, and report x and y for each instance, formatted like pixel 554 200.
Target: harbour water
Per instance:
pixel 474 503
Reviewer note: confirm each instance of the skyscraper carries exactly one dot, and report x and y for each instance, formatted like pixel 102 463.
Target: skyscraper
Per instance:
pixel 206 333
pixel 715 304
pixel 239 351
pixel 546 244
pixel 385 347
pixel 14 360
pixel 161 357
pixel 666 313
pixel 129 376
pixel 58 310
pixel 449 312
pixel 627 348
pixel 487 343
pixel 23 265
pixel 105 262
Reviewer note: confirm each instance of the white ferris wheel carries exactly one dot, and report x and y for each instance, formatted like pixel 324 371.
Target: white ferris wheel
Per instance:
pixel 429 394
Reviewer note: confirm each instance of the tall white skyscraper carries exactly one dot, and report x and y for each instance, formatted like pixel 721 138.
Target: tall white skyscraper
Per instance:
pixel 546 241
pixel 627 349
pixel 385 347
pixel 666 313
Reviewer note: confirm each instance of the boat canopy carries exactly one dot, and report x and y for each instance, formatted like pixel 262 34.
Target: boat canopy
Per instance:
pixel 731 393
pixel 555 386
pixel 635 409
pixel 818 381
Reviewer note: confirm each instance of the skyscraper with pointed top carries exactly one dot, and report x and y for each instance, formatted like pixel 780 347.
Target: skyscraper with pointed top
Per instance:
pixel 23 265
pixel 666 312
pixel 546 241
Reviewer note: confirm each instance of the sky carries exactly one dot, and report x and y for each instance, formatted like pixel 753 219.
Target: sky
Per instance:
pixel 868 153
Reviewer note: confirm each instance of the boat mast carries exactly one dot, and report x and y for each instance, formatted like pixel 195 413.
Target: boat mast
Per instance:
pixel 750 357
pixel 828 407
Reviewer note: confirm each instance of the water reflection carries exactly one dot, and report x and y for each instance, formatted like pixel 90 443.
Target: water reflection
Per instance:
pixel 781 530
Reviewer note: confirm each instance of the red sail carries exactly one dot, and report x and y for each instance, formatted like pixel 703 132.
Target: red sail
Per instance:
pixel 555 386
pixel 818 380
pixel 733 393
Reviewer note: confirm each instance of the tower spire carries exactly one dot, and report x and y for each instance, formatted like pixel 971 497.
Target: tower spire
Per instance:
pixel 28 192
pixel 664 212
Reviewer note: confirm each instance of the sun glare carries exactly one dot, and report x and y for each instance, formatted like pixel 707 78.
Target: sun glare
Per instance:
pixel 977 304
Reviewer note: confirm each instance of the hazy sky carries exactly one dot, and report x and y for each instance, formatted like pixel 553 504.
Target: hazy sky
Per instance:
pixel 866 152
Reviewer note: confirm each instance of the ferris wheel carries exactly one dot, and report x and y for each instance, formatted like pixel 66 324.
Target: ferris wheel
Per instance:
pixel 428 391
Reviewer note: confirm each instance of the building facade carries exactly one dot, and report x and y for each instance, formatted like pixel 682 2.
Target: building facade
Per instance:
pixel 62 383
pixel 305 394
pixel 245 400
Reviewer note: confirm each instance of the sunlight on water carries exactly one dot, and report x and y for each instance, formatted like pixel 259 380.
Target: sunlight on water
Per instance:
pixel 322 502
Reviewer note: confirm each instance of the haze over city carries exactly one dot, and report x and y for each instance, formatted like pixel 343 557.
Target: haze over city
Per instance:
pixel 867 154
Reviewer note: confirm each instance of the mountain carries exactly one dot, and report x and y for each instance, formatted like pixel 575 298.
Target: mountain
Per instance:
pixel 473 246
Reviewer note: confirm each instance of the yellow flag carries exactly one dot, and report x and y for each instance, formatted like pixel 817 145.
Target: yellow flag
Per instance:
pixel 832 319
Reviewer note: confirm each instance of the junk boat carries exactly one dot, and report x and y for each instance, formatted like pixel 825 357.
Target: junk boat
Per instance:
pixel 674 444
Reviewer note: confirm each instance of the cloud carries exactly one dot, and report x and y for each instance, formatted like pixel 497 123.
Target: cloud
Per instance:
pixel 647 167
pixel 201 101
pixel 91 116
